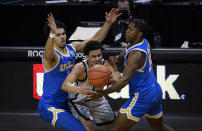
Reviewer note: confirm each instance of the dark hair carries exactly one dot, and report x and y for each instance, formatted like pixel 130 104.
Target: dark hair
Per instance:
pixel 58 23
pixel 143 26
pixel 91 45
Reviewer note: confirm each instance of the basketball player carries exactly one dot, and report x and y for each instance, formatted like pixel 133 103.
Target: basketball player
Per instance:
pixel 145 92
pixel 82 108
pixel 58 62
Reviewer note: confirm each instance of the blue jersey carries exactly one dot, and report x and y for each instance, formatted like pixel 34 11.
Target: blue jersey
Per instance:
pixel 52 93
pixel 145 92
pixel 144 78
pixel 53 106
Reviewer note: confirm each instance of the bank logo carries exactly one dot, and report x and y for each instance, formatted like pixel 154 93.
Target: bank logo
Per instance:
pixel 166 84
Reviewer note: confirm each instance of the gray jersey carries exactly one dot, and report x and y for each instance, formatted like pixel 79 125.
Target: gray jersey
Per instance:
pixel 99 110
pixel 79 98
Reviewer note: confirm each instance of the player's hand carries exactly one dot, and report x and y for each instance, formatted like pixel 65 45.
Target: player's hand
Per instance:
pixel 113 60
pixel 85 90
pixel 112 15
pixel 96 95
pixel 51 23
pixel 116 76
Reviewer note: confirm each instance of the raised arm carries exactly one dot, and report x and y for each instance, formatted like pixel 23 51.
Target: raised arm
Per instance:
pixel 102 33
pixel 76 72
pixel 50 55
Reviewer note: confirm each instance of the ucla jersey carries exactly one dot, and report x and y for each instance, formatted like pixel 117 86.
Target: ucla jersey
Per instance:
pixel 53 106
pixel 53 79
pixel 144 78
pixel 145 92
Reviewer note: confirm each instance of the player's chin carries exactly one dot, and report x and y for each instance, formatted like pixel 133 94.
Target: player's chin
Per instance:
pixel 127 39
pixel 63 45
pixel 98 63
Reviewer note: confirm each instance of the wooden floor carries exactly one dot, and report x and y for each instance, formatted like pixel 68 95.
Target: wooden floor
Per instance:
pixel 32 122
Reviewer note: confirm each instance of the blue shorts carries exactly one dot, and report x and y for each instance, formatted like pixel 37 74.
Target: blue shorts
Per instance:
pixel 141 103
pixel 60 118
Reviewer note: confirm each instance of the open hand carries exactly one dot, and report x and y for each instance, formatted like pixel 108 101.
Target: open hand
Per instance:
pixel 112 15
pixel 51 23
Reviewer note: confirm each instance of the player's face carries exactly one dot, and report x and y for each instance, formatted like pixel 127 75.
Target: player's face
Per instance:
pixel 60 38
pixel 132 33
pixel 94 57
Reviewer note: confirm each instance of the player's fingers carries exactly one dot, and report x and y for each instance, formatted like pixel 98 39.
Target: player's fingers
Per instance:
pixel 112 10
pixel 90 97
pixel 106 13
pixel 91 92
pixel 116 11
pixel 118 15
pixel 51 15
pixel 48 15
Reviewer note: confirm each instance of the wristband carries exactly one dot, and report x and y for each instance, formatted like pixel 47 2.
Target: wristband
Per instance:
pixel 51 35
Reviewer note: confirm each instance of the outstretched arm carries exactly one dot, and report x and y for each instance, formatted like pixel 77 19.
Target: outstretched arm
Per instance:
pixel 136 60
pixel 76 72
pixel 102 33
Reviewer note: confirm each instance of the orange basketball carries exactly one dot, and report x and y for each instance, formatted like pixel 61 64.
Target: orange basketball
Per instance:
pixel 99 76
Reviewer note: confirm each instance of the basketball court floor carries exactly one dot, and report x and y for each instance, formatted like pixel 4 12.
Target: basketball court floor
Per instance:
pixel 33 122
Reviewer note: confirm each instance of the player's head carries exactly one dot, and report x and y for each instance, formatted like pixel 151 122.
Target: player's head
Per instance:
pixel 93 52
pixel 137 30
pixel 60 39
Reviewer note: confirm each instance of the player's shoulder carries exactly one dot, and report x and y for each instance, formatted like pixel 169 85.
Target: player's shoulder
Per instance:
pixel 75 44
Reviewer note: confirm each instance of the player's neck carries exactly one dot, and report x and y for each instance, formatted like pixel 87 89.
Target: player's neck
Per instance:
pixel 135 42
pixel 62 50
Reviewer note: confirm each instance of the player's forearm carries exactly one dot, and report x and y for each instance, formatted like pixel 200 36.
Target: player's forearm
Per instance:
pixel 120 58
pixel 116 86
pixel 102 33
pixel 49 48
pixel 68 87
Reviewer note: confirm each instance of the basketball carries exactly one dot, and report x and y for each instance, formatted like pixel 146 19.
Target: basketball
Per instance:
pixel 99 76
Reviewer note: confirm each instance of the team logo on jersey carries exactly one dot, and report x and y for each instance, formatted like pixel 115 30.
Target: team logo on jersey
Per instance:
pixel 72 53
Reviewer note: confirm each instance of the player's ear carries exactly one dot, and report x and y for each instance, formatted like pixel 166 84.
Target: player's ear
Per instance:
pixel 140 34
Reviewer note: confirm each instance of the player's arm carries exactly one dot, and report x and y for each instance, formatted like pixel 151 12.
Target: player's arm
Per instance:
pixel 76 72
pixel 115 74
pixel 136 60
pixel 116 60
pixel 50 55
pixel 102 33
